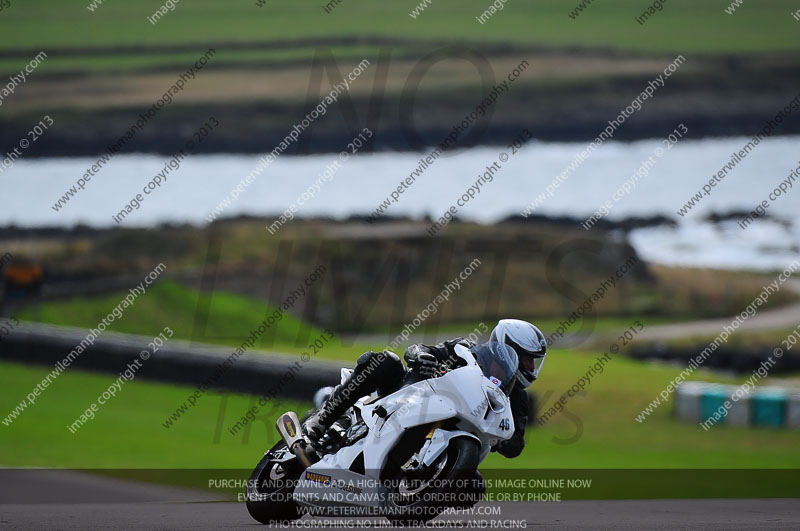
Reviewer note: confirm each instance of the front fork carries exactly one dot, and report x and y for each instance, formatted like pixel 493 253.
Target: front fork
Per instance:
pixel 415 462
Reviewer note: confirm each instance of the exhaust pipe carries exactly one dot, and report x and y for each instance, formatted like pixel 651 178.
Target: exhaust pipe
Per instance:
pixel 290 429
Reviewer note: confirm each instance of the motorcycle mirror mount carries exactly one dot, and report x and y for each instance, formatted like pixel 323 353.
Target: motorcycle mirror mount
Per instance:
pixel 465 354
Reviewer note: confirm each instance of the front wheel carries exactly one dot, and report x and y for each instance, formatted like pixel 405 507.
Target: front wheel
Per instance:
pixel 450 481
pixel 269 491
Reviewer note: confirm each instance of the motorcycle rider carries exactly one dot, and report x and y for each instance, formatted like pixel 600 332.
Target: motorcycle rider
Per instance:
pixel 385 373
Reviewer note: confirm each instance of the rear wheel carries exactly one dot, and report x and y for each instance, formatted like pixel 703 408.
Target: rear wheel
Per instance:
pixel 451 481
pixel 269 491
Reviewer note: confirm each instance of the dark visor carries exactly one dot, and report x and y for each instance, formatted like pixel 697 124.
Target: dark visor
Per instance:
pixel 520 350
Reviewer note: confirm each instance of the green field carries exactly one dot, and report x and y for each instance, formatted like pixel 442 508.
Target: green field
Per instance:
pixel 128 431
pixel 682 26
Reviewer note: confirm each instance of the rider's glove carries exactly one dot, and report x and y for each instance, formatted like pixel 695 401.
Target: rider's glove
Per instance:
pixel 421 362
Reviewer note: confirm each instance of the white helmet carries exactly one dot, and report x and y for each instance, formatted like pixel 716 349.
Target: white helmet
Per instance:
pixel 527 341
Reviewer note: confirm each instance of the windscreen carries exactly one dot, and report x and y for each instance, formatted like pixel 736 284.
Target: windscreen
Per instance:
pixel 499 363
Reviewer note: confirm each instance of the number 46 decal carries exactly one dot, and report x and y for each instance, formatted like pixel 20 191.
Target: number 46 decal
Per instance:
pixel 505 425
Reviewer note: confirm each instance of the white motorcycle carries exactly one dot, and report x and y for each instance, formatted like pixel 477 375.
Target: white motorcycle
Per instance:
pixel 406 456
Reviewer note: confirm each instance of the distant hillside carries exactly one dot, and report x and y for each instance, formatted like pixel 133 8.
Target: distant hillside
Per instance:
pixel 386 274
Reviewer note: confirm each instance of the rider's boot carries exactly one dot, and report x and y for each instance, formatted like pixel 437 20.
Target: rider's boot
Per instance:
pixel 340 400
pixel 381 371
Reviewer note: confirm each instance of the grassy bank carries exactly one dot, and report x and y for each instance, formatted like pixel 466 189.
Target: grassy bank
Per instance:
pixel 683 25
pixel 220 317
pixel 225 318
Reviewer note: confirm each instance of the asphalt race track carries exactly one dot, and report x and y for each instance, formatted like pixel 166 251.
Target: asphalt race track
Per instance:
pixel 81 501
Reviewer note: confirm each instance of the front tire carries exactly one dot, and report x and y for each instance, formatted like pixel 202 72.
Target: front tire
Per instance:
pixel 415 500
pixel 269 492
